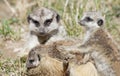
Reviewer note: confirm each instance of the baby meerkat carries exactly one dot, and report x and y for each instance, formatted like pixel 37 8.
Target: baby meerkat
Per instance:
pixel 39 62
pixel 44 27
pixel 46 60
pixel 97 44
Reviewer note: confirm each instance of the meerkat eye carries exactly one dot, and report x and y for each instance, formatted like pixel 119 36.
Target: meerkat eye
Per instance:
pixel 58 17
pixel 36 23
pixel 31 61
pixel 47 22
pixel 100 22
pixel 88 19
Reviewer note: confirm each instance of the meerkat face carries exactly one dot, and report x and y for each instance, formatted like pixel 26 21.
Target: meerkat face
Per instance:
pixel 37 55
pixel 92 20
pixel 44 21
pixel 33 59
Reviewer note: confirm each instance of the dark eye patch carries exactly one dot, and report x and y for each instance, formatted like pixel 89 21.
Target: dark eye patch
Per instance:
pixel 47 22
pixel 88 19
pixel 31 61
pixel 100 22
pixel 36 23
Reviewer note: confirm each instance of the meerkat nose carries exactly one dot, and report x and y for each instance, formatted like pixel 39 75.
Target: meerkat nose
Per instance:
pixel 81 22
pixel 41 33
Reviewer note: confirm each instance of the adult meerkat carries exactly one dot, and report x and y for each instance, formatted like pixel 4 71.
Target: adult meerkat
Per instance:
pixel 97 44
pixel 44 27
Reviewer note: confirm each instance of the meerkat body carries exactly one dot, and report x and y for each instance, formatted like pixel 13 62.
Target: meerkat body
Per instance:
pixel 44 28
pixel 39 62
pixel 102 48
pixel 97 44
pixel 49 60
pixel 47 67
pixel 46 60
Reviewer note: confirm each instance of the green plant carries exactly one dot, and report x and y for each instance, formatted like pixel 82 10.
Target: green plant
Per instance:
pixel 6 30
pixel 11 67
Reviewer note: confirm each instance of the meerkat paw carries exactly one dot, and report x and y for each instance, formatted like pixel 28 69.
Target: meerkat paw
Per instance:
pixel 85 59
pixel 82 62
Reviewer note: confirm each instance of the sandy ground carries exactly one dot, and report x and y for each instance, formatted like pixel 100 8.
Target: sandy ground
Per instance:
pixel 8 46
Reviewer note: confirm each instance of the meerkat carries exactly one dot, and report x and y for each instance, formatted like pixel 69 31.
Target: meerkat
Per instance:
pixel 47 66
pixel 48 60
pixel 44 27
pixel 97 44
pixel 45 61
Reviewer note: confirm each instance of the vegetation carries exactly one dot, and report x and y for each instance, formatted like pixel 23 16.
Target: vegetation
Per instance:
pixel 70 11
pixel 6 30
pixel 10 67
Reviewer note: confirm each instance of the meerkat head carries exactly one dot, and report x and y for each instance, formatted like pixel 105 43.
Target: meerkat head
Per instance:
pixel 37 55
pixel 44 21
pixel 33 59
pixel 91 20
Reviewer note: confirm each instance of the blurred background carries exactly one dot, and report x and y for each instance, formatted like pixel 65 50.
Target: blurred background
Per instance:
pixel 14 26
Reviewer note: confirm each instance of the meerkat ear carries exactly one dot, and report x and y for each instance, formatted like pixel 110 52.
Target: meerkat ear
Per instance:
pixel 100 22
pixel 58 17
pixel 28 18
pixel 39 57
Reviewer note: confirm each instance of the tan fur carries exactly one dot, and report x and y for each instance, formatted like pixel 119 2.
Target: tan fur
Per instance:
pixel 87 69
pixel 52 59
pixel 101 42
pixel 50 63
pixel 116 67
pixel 100 39
pixel 47 67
